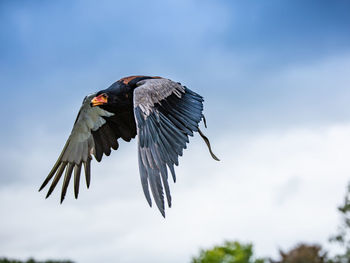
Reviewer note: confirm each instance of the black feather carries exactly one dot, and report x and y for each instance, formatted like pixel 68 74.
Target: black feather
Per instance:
pixel 98 146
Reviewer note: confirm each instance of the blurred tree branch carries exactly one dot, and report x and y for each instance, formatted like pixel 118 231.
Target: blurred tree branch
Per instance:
pixel 342 237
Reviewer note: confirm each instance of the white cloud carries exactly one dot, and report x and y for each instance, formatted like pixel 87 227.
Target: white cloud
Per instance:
pixel 274 189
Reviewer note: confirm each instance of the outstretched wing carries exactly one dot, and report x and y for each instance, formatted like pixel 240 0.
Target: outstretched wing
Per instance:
pixel 166 113
pixel 95 131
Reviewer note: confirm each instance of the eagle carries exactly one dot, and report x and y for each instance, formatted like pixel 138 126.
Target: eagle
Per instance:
pixel 161 112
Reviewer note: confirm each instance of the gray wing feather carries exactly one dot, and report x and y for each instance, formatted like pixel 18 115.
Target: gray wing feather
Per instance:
pixel 78 148
pixel 166 113
pixel 152 91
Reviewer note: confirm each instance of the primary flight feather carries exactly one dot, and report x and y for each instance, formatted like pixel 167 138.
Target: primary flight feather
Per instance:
pixel 161 112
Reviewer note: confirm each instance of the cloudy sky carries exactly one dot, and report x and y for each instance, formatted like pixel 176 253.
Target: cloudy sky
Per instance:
pixel 275 76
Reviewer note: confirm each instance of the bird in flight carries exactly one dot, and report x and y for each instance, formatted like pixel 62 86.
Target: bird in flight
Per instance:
pixel 161 112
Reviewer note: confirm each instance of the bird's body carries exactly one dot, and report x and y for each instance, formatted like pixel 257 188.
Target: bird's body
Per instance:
pixel 163 113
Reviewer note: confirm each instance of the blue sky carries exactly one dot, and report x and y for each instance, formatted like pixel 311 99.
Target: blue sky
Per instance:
pixel 64 50
pixel 270 72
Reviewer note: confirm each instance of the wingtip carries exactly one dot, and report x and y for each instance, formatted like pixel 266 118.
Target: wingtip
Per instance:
pixel 63 196
pixel 162 210
pixel 49 192
pixel 43 185
pixel 149 202
pixel 163 213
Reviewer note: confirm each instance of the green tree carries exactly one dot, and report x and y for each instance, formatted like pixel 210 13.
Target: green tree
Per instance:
pixel 303 253
pixel 342 237
pixel 229 252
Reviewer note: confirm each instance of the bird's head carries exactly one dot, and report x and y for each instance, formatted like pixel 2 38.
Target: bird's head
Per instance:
pixel 112 100
pixel 113 96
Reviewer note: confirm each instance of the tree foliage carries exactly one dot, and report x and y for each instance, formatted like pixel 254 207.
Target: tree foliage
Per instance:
pixel 342 237
pixel 229 252
pixel 303 253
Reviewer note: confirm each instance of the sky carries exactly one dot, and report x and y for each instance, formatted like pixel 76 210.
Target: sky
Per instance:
pixel 275 77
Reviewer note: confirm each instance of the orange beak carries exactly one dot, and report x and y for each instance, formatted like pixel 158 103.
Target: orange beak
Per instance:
pixel 99 100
